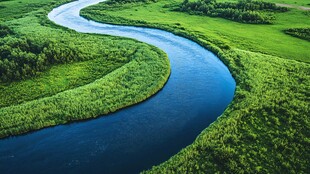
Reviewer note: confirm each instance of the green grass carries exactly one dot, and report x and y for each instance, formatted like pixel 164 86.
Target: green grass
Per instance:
pixel 57 79
pixel 12 9
pixel 122 87
pixel 264 130
pixel 268 39
pixel 99 74
pixel 266 127
pixel 292 2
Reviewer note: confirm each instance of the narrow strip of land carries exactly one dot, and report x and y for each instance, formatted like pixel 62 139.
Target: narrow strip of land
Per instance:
pixel 293 6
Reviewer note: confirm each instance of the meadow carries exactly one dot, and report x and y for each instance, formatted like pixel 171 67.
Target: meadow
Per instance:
pixel 219 31
pixel 266 127
pixel 291 2
pixel 50 75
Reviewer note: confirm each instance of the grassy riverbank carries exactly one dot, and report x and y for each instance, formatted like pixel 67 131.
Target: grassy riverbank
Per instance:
pixel 265 129
pixel 50 75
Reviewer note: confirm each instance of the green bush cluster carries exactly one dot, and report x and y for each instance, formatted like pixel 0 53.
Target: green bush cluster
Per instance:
pixel 303 33
pixel 119 2
pixel 245 11
pixel 25 57
pixel 5 30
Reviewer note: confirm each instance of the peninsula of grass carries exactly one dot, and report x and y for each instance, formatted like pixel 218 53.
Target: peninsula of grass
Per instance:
pixel 50 75
pixel 266 127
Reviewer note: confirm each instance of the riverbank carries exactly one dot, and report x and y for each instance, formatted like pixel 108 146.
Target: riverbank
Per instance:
pixel 199 89
pixel 265 127
pixel 45 97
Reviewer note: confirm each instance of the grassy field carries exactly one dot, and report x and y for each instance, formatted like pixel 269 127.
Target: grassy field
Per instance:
pixel 51 75
pixel 292 2
pixel 266 127
pixel 268 39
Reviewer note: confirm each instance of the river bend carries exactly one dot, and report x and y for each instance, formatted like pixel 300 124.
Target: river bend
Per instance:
pixel 199 89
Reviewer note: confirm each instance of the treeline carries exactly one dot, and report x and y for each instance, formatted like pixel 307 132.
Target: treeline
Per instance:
pixel 110 2
pixel 22 57
pixel 245 11
pixel 303 33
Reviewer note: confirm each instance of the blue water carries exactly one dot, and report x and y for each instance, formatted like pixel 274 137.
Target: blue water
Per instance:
pixel 133 139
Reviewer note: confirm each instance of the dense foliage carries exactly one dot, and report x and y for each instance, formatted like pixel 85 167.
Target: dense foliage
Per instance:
pixel 25 57
pixel 51 75
pixel 303 33
pixel 101 56
pixel 119 2
pixel 5 30
pixel 246 11
pixel 265 129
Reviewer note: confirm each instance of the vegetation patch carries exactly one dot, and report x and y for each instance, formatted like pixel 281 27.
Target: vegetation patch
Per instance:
pixel 217 32
pixel 50 75
pixel 122 87
pixel 120 2
pixel 5 30
pixel 303 33
pixel 23 57
pixel 246 11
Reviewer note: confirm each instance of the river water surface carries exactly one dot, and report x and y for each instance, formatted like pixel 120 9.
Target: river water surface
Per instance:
pixel 133 139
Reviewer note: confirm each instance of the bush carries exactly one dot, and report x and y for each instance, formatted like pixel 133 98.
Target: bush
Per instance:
pixel 303 33
pixel 246 11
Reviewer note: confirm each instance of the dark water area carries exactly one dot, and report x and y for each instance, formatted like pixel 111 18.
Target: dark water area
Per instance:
pixel 135 138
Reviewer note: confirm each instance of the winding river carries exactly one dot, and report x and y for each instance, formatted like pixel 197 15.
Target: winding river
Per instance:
pixel 133 139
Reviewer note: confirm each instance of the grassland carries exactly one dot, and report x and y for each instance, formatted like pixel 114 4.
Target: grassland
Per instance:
pixel 266 127
pixel 53 75
pixel 266 39
pixel 305 3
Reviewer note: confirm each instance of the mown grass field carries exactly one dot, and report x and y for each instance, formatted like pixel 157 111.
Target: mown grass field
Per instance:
pixel 266 127
pixel 50 75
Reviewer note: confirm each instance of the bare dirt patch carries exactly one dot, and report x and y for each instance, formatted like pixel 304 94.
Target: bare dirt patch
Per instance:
pixel 293 6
